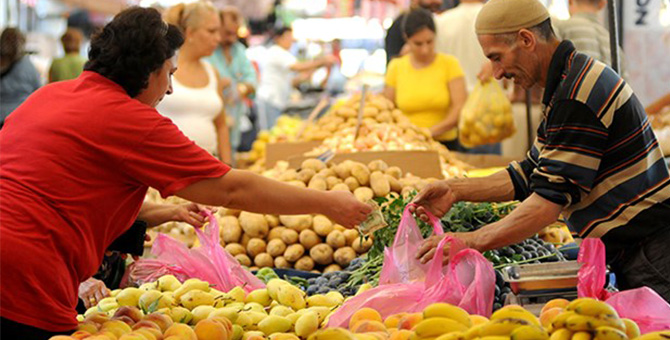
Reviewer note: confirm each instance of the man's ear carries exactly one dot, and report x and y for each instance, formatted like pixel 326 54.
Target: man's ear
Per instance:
pixel 527 39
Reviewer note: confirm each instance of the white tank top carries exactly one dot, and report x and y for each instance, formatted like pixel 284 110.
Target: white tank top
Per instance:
pixel 193 110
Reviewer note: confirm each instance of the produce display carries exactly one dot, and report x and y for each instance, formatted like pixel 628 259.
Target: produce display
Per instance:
pixel 486 117
pixel 193 310
pixel 285 130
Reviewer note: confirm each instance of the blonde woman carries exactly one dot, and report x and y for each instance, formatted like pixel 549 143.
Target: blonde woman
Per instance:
pixel 196 106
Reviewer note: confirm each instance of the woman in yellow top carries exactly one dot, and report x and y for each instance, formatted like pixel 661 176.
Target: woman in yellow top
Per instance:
pixel 429 87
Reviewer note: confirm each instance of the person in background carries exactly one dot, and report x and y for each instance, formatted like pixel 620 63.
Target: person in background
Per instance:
pixel 280 73
pixel 659 105
pixel 68 193
pixel 18 76
pixel 395 40
pixel 429 87
pixel 71 65
pixel 456 36
pixel 197 104
pixel 230 60
pixel 587 34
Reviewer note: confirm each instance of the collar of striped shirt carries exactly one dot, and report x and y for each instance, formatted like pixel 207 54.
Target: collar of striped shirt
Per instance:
pixel 556 69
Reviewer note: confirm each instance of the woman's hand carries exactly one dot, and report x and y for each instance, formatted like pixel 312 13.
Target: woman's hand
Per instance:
pixel 190 213
pixel 346 210
pixel 92 291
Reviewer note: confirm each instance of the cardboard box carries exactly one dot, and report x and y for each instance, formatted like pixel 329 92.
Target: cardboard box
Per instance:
pixel 484 161
pixel 276 152
pixel 424 164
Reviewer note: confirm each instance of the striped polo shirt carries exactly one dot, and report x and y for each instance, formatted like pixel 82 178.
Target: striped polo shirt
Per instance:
pixel 596 155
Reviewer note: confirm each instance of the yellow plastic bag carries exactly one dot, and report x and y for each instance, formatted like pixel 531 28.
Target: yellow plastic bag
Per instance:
pixel 486 117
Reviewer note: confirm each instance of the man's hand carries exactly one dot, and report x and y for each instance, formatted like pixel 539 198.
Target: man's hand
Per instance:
pixel 346 210
pixel 436 198
pixel 486 73
pixel 92 291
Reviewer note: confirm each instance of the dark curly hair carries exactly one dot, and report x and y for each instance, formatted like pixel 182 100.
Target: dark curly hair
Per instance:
pixel 133 45
pixel 416 20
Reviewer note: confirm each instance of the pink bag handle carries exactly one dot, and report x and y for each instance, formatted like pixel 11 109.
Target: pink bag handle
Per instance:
pixel 434 221
pixel 435 269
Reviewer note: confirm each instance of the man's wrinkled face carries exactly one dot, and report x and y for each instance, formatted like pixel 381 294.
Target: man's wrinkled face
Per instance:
pixel 509 60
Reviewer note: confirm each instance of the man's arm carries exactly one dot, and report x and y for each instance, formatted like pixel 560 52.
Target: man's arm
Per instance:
pixel 247 191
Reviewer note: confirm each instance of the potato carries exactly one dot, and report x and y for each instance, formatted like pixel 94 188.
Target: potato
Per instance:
pixel 263 260
pixel 394 171
pixel 352 183
pixel 393 183
pixel 332 181
pixel 235 249
pixel 245 240
pixel 294 252
pixel 275 233
pixel 296 222
pixel 420 185
pixel 288 175
pixel 231 232
pixel 361 173
pixel 231 212
pixel 350 235
pixel 304 263
pixel 276 247
pixel 255 225
pixel 340 228
pixel 336 239
pixel 255 247
pixel 273 221
pixel 322 225
pixel 309 239
pixel 318 183
pixel 305 175
pixel 344 256
pixel 299 184
pixel 332 268
pixel 379 184
pixel 364 194
pixel 362 247
pixel 322 254
pixel 289 236
pixel 378 165
pixel 346 112
pixel 313 164
pixel 281 262
pixel 254 268
pixel 406 191
pixel 343 170
pixel 325 173
pixel 243 259
pixel 340 187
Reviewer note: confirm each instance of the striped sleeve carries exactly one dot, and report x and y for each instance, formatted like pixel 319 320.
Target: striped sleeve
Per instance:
pixel 519 173
pixel 568 163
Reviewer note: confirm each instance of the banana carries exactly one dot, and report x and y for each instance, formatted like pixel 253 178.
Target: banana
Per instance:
pixel 514 312
pixel 332 334
pixel 560 320
pixel 529 333
pixel 609 333
pixel 632 329
pixel 502 326
pixel 452 336
pixel 475 331
pixel 582 336
pixel 494 337
pixel 612 321
pixel 662 335
pixel 561 334
pixel 437 326
pixel 592 307
pixel 582 323
pixel 448 311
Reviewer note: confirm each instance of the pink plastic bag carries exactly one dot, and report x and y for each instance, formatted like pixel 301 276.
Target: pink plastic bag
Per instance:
pixel 209 262
pixel 642 305
pixel 409 286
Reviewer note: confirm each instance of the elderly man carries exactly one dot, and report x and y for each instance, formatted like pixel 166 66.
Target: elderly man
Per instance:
pixel 595 159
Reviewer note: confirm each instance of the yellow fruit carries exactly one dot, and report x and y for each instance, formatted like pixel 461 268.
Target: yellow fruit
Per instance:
pixel 392 321
pixel 592 307
pixel 281 310
pixel 148 286
pixel 320 300
pixel 502 326
pixel 363 288
pixel 560 320
pixel 154 300
pixel 336 296
pixel 117 327
pixel 259 296
pixel 662 335
pixel 529 333
pixel 244 321
pixel 515 312
pixel 609 333
pixel 195 298
pixel 437 326
pixel 226 312
pixel 180 314
pixel 322 312
pixel 478 319
pixel 578 323
pixel 307 324
pixel 332 334
pixel 561 334
pixel 274 324
pixel 364 314
pixel 238 331
pixel 254 307
pixel 448 311
pixel 253 335
pixel 582 336
pixel 283 336
pixel 181 331
pixel 273 287
pixel 632 329
pixel 237 294
pixel 168 283
pixel 291 296
pixel 452 336
pixel 555 303
pixel 129 296
pixel 189 285
pixel 209 329
pixel 201 313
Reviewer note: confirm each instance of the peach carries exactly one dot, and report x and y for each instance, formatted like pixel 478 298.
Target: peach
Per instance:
pixel 210 330
pixel 162 320
pixel 181 331
pixel 393 320
pixel 132 312
pixel 555 303
pixel 401 334
pixel 147 324
pixel 124 318
pixel 133 336
pixel 149 333
pixel 224 322
pixel 378 335
pixel 365 326
pixel 97 317
pixel 410 320
pixel 548 315
pixel 88 326
pixel 364 314
pixel 61 337
pixel 80 334
pixel 104 334
pixel 117 327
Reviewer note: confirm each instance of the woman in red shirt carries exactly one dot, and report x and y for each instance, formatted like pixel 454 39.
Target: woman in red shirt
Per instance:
pixel 77 159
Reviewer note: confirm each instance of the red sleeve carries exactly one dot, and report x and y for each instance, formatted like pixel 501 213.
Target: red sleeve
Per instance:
pixel 168 161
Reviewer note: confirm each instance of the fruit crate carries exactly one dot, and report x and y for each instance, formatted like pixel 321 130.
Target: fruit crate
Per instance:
pixel 542 276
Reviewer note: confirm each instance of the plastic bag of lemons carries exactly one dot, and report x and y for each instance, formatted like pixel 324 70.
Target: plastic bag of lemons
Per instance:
pixel 486 117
